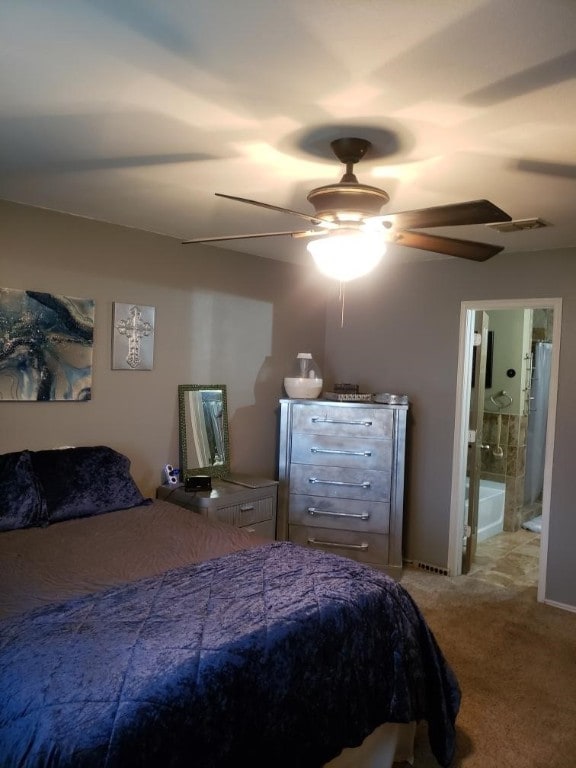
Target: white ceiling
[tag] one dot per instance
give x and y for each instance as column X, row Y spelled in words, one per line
column 137, row 112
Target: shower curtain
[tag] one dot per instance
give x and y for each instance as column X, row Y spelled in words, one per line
column 537, row 419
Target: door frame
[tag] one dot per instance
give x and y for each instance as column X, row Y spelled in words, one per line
column 475, row 425
column 463, row 391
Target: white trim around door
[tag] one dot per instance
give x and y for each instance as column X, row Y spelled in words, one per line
column 468, row 308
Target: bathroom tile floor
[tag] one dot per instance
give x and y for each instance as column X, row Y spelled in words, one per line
column 508, row 559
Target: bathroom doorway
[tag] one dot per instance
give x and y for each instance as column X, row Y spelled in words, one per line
column 515, row 438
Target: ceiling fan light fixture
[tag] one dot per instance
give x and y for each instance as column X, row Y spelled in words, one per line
column 347, row 217
column 347, row 254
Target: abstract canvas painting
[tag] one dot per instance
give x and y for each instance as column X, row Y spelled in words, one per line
column 45, row 346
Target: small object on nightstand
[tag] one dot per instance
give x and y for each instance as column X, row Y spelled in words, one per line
column 170, row 475
column 194, row 483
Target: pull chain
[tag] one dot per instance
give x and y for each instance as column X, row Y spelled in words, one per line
column 341, row 298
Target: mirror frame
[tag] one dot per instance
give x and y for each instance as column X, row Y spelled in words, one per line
column 213, row 470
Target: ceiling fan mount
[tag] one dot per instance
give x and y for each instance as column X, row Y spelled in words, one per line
column 350, row 150
column 348, row 201
column 348, row 204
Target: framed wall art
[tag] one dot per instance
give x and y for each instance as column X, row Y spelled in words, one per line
column 132, row 337
column 45, row 346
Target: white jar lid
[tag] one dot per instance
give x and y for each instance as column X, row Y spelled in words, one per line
column 307, row 355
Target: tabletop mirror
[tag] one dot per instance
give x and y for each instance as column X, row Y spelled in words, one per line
column 203, row 427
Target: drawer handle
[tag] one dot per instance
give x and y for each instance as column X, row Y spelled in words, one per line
column 341, row 453
column 312, row 540
column 323, row 420
column 246, row 507
column 315, row 481
column 356, row 515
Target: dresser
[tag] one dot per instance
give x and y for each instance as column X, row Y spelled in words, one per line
column 341, row 478
column 250, row 505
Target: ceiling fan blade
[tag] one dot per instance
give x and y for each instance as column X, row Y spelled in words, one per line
column 311, row 233
column 464, row 249
column 472, row 212
column 561, row 170
column 220, row 238
column 313, row 219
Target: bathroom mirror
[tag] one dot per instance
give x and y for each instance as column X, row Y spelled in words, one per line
column 203, row 428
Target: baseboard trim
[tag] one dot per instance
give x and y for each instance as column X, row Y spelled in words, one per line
column 562, row 606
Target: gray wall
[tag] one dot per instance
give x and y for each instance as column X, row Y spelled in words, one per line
column 224, row 317
column 401, row 334
column 221, row 317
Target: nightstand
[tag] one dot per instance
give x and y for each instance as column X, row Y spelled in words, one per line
column 243, row 501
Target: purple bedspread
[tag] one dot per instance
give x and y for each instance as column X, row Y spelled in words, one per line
column 274, row 656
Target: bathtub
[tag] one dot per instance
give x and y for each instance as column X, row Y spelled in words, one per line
column 490, row 508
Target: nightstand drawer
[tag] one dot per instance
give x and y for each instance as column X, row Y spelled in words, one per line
column 265, row 529
column 247, row 513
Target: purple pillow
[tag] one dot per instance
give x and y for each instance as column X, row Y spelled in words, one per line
column 85, row 481
column 21, row 504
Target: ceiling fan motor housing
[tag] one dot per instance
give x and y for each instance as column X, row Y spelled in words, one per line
column 347, row 201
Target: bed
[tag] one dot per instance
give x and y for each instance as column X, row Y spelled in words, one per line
column 134, row 632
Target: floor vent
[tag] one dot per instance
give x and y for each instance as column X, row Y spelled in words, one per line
column 432, row 568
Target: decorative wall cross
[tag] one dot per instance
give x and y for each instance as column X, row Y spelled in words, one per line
column 139, row 334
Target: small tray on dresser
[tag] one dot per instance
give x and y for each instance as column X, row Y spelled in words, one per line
column 388, row 399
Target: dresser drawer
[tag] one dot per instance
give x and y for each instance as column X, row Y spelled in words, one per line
column 322, row 419
column 331, row 450
column 343, row 514
column 364, row 547
column 339, row 482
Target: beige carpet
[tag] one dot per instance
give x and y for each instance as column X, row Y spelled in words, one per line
column 515, row 660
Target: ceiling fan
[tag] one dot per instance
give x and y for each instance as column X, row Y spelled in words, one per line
column 348, row 206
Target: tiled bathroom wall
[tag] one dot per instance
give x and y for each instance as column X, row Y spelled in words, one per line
column 510, row 467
